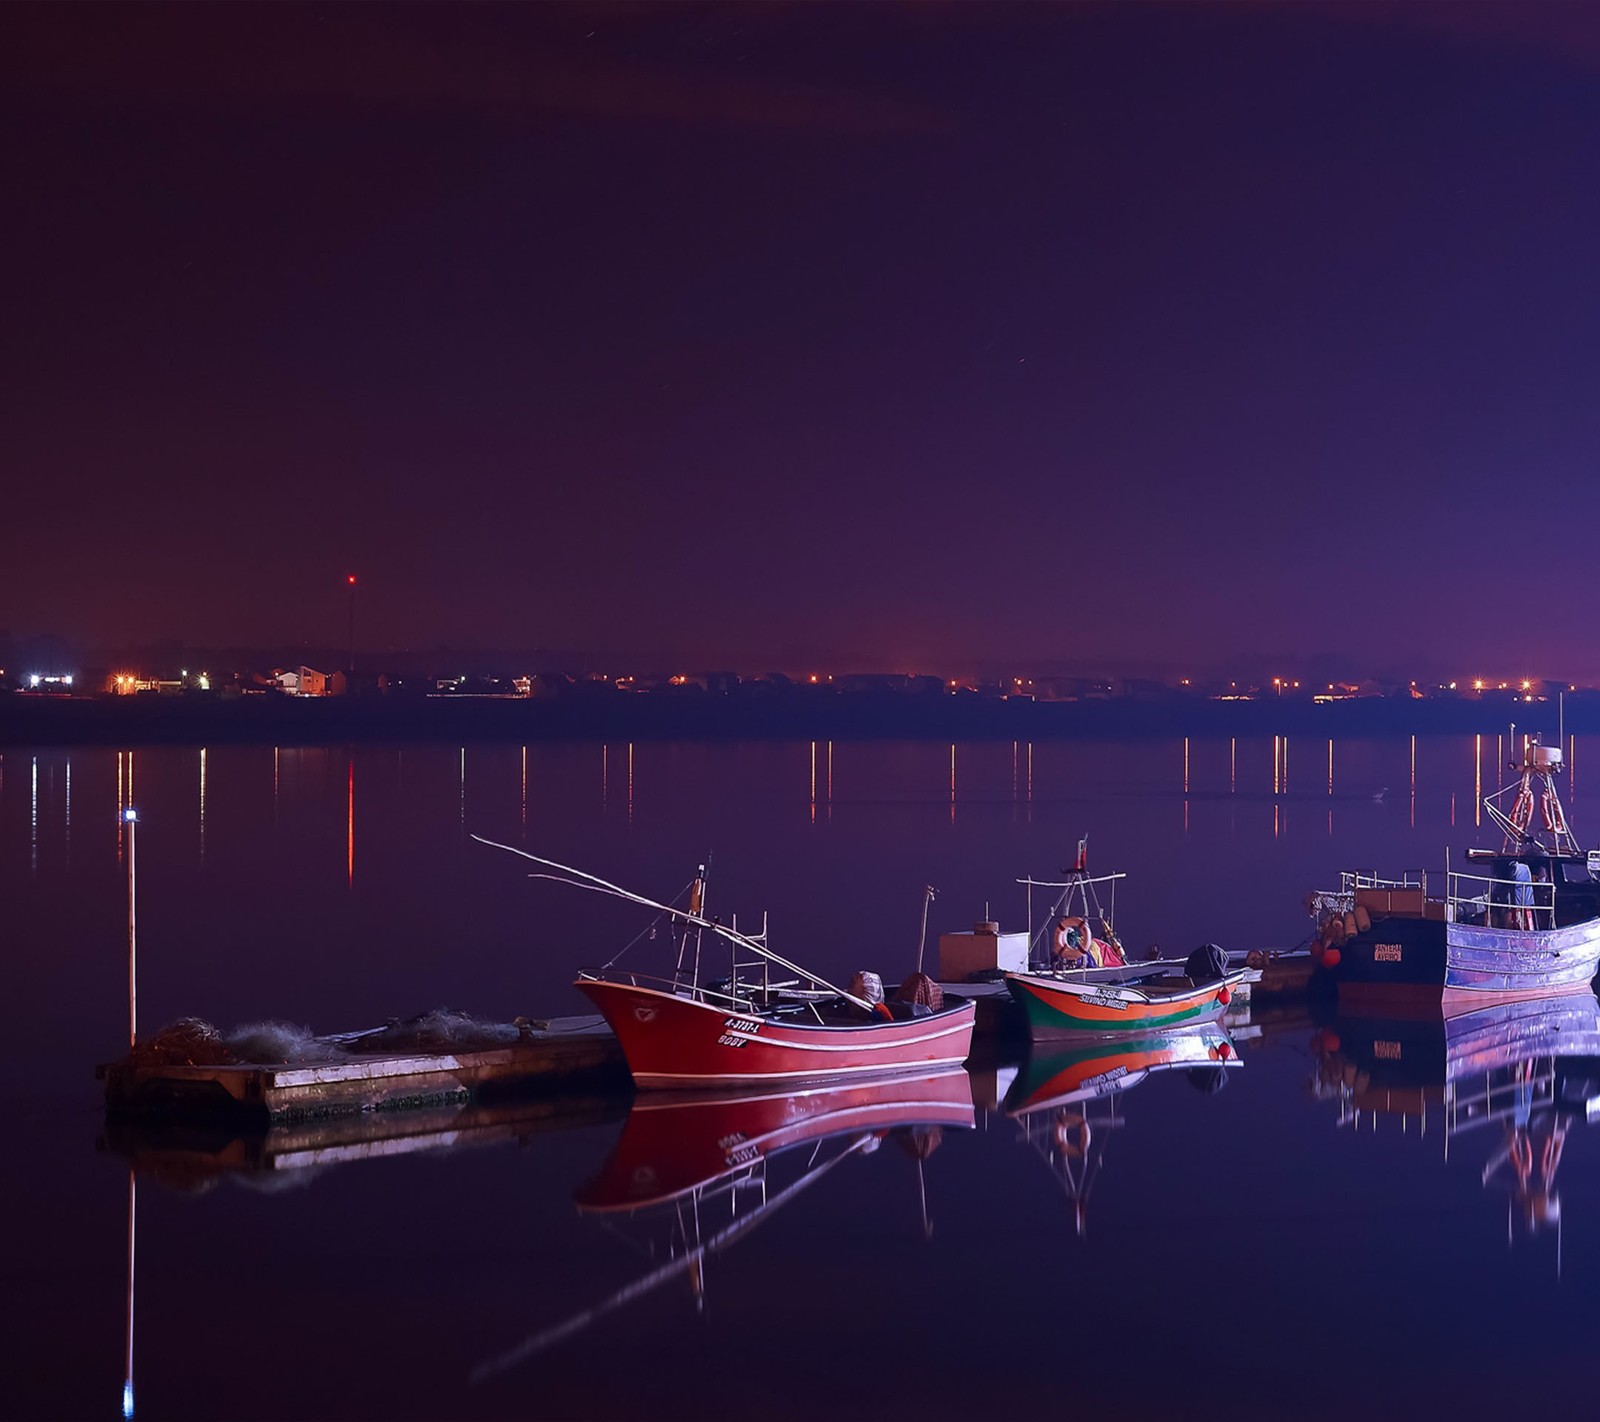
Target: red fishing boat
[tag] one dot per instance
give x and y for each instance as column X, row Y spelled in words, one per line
column 685, row 1032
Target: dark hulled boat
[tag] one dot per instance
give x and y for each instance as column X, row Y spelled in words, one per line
column 1524, row 921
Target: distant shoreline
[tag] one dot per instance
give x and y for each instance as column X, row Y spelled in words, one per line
column 797, row 715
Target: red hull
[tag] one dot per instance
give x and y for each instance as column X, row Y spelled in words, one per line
column 673, row 1041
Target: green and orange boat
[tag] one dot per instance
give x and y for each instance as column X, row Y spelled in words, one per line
column 1060, row 1004
column 1079, row 982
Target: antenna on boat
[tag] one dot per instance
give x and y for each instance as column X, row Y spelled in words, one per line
column 928, row 895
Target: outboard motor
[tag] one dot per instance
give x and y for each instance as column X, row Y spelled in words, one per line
column 1207, row 964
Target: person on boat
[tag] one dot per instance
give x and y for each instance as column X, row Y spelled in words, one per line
column 1521, row 895
column 1073, row 946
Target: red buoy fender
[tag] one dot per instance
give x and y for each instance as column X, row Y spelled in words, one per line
column 1072, row 1136
column 1550, row 809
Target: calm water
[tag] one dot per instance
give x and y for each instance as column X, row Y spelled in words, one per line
column 1277, row 1248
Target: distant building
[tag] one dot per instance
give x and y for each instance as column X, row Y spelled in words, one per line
column 301, row 681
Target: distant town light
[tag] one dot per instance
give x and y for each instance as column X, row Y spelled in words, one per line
column 1526, row 685
column 130, row 814
column 1477, row 685
column 34, row 679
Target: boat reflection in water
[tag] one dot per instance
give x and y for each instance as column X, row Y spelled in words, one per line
column 1517, row 1074
column 704, row 1170
column 1066, row 1101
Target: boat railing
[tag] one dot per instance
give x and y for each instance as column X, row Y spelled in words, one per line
column 1493, row 902
column 736, row 993
column 1352, row 879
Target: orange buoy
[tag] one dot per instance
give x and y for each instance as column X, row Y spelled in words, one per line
column 1224, row 1050
column 1331, row 958
column 1330, row 1040
column 1225, row 997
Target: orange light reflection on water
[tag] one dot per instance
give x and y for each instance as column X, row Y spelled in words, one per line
column 350, row 822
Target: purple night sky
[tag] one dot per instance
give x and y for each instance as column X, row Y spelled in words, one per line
column 903, row 334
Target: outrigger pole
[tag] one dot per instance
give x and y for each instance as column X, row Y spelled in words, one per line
column 604, row 886
column 690, row 1259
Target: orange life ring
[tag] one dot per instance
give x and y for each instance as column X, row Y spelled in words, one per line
column 1072, row 1136
column 1060, row 951
column 1522, row 810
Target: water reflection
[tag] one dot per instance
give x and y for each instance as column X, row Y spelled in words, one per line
column 1293, row 1198
column 698, row 1173
column 1508, row 1080
column 1066, row 1101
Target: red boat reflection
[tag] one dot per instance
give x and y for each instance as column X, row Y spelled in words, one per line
column 673, row 1144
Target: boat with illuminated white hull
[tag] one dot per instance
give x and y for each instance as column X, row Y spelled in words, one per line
column 1528, row 927
column 684, row 1032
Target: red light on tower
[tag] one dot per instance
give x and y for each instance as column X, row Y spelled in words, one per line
column 350, row 582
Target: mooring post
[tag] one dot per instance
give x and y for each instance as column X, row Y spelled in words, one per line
column 131, row 818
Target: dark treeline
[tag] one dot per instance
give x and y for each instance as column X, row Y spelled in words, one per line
column 794, row 713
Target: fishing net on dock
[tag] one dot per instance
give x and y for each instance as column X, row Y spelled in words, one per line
column 444, row 1029
column 280, row 1044
column 190, row 1041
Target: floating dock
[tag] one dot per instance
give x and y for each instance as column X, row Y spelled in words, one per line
column 348, row 1075
column 561, row 1052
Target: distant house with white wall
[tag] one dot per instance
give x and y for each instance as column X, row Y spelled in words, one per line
column 301, row 681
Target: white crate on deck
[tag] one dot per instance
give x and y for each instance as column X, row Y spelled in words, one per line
column 983, row 950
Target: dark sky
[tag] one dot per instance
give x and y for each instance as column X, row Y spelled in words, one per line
column 907, row 335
